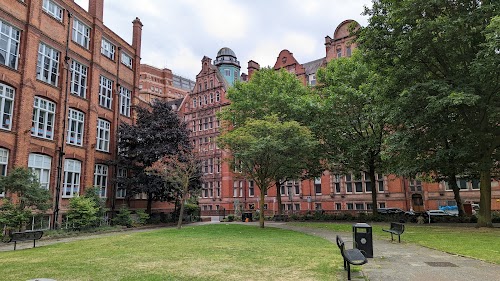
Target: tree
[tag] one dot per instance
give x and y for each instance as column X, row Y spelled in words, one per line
column 437, row 51
column 181, row 170
column 157, row 133
column 100, row 203
column 353, row 120
column 278, row 93
column 31, row 197
column 269, row 149
column 82, row 213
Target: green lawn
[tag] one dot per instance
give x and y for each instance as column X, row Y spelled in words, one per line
column 478, row 243
column 209, row 252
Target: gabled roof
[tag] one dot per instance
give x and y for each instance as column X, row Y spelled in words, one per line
column 313, row 66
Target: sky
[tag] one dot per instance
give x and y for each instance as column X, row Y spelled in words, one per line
column 177, row 34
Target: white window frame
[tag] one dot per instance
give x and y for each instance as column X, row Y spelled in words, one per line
column 81, row 33
column 108, row 49
column 125, row 97
column 101, row 179
column 217, row 96
column 121, row 192
column 42, row 124
column 72, row 173
column 11, row 51
column 40, row 165
column 103, row 135
column 4, row 163
column 76, row 125
column 6, row 106
column 79, row 79
column 47, row 67
column 105, row 92
column 53, row 9
column 126, row 59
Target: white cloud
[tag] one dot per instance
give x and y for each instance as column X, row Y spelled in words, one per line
column 177, row 34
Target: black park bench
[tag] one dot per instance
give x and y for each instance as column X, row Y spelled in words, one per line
column 350, row 256
column 396, row 229
column 25, row 236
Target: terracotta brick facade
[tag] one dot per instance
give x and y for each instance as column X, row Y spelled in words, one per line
column 58, row 72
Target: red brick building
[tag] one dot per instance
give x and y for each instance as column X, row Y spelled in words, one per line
column 155, row 83
column 226, row 189
column 66, row 82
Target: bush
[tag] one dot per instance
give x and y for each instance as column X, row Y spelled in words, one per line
column 230, row 217
column 83, row 213
column 123, row 217
column 142, row 217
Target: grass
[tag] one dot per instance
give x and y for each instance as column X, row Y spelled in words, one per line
column 209, row 252
column 478, row 243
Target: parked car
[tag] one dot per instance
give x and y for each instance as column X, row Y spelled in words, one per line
column 390, row 211
column 440, row 213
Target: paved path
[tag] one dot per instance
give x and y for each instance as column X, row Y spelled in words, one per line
column 392, row 261
column 395, row 261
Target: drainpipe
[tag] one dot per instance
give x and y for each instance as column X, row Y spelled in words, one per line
column 55, row 225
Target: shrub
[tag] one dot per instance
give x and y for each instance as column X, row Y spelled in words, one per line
column 142, row 217
column 123, row 217
column 230, row 217
column 82, row 213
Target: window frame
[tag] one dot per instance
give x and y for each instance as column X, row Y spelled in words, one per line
column 125, row 101
column 53, row 9
column 76, row 127
column 80, row 33
column 7, row 95
column 103, row 135
column 72, row 169
column 43, row 116
column 13, row 35
column 108, row 49
column 126, row 59
column 48, row 57
column 79, row 74
column 105, row 92
column 41, row 168
column 101, row 179
column 4, row 164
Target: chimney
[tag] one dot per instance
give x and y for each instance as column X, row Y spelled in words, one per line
column 252, row 66
column 96, row 8
column 137, row 36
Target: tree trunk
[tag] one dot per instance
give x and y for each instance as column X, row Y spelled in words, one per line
column 181, row 212
column 484, row 214
column 150, row 204
column 374, row 190
column 452, row 182
column 278, row 197
column 261, row 208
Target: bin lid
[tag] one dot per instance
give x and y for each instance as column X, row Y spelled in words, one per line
column 362, row 225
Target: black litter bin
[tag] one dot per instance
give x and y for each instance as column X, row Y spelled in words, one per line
column 362, row 238
column 244, row 217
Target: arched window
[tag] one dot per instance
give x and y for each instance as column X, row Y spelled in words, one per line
column 40, row 165
column 217, row 96
column 72, row 172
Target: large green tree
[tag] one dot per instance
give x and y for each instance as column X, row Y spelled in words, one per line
column 269, row 149
column 440, row 53
column 270, row 92
column 158, row 132
column 29, row 197
column 353, row 118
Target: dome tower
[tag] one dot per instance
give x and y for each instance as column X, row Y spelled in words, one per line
column 228, row 65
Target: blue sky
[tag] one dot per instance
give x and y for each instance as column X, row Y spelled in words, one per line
column 178, row 33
